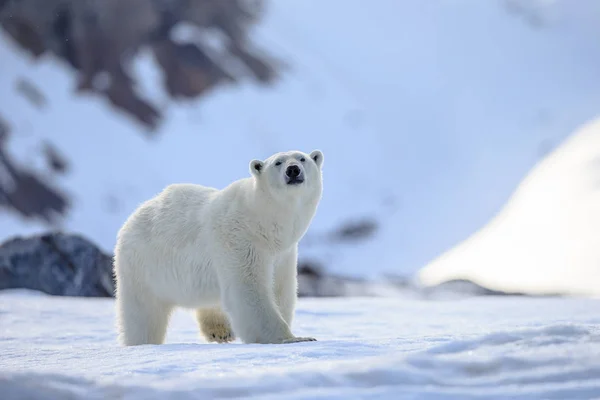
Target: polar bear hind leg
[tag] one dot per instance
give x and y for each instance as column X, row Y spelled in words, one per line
column 214, row 325
column 140, row 319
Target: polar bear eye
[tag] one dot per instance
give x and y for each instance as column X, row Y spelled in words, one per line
column 278, row 163
column 302, row 159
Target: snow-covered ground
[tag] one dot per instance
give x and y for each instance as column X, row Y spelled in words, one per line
column 437, row 110
column 383, row 348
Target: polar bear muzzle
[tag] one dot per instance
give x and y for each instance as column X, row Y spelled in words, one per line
column 294, row 175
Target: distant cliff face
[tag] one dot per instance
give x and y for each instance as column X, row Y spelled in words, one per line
column 98, row 39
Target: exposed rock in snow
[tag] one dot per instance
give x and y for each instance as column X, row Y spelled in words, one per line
column 57, row 264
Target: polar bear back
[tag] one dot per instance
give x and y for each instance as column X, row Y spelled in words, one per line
column 175, row 216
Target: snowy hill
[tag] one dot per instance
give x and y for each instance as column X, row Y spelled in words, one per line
column 367, row 348
column 546, row 240
column 429, row 114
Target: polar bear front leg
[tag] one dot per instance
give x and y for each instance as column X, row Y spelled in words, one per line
column 248, row 298
column 214, row 325
column 286, row 284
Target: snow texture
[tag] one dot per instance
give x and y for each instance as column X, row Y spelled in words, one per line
column 449, row 103
column 546, row 240
column 377, row 348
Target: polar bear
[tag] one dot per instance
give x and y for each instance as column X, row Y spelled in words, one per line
column 230, row 254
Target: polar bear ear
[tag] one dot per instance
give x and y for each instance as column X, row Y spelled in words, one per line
column 256, row 167
column 317, row 157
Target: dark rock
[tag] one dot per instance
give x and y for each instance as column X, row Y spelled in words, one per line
column 31, row 93
column 27, row 194
column 310, row 269
column 357, row 230
column 55, row 160
column 3, row 130
column 465, row 287
column 310, row 280
column 57, row 264
column 314, row 282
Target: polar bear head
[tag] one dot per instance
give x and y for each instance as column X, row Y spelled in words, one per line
column 291, row 172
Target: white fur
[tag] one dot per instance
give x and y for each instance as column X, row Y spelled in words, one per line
column 230, row 254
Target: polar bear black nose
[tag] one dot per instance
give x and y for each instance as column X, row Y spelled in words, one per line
column 292, row 171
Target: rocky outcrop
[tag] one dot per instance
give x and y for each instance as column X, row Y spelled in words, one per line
column 57, row 264
column 99, row 39
column 314, row 282
column 25, row 193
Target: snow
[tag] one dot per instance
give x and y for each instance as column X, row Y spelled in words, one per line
column 438, row 109
column 546, row 239
column 380, row 348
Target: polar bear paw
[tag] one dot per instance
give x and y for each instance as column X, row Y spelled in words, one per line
column 219, row 335
column 214, row 326
column 299, row 339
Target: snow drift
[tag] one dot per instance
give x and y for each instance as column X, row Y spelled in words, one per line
column 546, row 240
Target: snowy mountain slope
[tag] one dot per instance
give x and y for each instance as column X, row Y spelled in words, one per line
column 546, row 240
column 429, row 114
column 492, row 347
